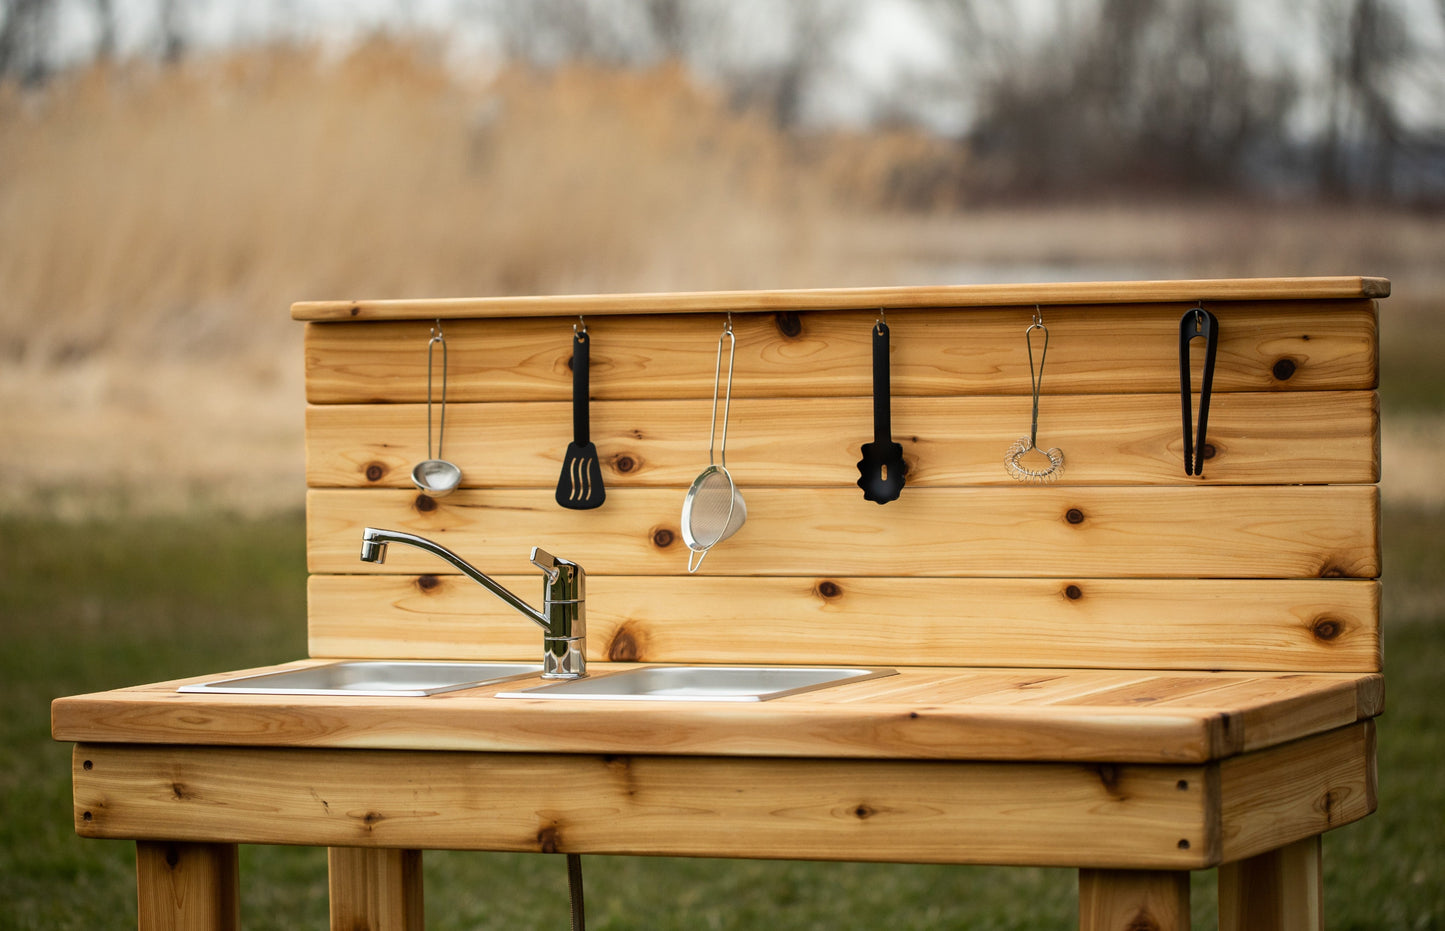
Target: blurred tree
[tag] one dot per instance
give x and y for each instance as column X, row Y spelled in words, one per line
column 26, row 30
column 1366, row 44
column 1142, row 95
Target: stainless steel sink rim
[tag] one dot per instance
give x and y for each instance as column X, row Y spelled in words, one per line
column 370, row 677
column 702, row 683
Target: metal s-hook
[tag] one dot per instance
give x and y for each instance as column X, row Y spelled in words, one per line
column 1197, row 323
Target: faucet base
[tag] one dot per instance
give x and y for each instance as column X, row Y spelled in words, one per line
column 563, row 658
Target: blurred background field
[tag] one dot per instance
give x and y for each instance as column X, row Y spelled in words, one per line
column 173, row 175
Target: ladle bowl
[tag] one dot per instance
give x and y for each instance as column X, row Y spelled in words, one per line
column 436, row 477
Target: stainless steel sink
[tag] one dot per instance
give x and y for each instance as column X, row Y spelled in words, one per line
column 701, row 683
column 370, row 677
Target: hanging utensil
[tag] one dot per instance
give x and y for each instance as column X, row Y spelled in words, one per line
column 881, row 470
column 579, row 487
column 1196, row 323
column 1034, row 470
column 435, row 476
column 713, row 509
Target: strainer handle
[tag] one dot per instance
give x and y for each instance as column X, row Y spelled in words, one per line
column 722, row 451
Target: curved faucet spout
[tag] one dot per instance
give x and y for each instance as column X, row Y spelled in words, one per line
column 563, row 615
column 373, row 549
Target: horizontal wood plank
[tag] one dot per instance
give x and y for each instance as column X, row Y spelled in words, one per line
column 1154, row 532
column 924, row 812
column 1314, row 437
column 1217, row 289
column 1309, row 625
column 1092, row 350
column 1281, row 795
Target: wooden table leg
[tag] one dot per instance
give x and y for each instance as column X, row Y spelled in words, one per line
column 376, row 889
column 1133, row 900
column 187, row 886
column 1277, row 891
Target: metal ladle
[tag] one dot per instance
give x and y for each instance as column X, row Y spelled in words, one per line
column 435, row 476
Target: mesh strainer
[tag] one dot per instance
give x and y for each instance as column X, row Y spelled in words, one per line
column 713, row 509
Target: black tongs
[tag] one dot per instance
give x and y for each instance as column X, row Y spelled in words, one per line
column 1197, row 322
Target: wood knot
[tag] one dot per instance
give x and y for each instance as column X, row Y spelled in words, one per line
column 1182, row 785
column 428, row 583
column 173, row 856
column 863, row 812
column 1109, row 778
column 375, row 471
column 1074, row 516
column 1284, row 369
column 828, row 589
column 1331, row 571
column 1073, row 592
column 624, row 463
column 1327, row 628
column 1209, row 451
column 1142, row 921
column 425, row 503
column 355, row 310
column 789, row 324
column 624, row 646
column 547, row 839
column 662, row 538
column 373, row 818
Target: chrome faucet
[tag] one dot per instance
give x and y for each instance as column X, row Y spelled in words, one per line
column 564, row 598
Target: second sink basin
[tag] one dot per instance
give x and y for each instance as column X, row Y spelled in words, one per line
column 701, row 683
column 370, row 677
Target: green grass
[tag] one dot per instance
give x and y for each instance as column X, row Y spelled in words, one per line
column 90, row 607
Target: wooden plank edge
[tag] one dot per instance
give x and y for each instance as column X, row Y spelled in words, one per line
column 1043, row 814
column 890, row 298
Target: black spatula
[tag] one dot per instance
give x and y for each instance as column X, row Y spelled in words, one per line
column 580, row 485
column 881, row 468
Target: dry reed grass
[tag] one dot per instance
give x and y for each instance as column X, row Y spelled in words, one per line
column 156, row 223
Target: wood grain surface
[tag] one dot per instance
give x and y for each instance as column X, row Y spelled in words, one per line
column 1213, row 289
column 1305, row 625
column 1058, row 532
column 1297, row 437
column 1092, row 350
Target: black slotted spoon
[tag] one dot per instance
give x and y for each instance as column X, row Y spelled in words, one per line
column 882, row 467
column 579, row 487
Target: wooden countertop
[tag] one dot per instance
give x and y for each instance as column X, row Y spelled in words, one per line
column 923, row 713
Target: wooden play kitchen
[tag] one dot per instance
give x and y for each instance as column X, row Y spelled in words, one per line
column 1118, row 609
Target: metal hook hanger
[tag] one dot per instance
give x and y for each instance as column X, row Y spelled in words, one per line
column 1197, row 323
column 1036, row 376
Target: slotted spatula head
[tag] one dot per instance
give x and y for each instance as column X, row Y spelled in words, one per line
column 580, row 485
column 881, row 471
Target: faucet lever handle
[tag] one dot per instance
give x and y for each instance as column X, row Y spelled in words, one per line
column 546, row 562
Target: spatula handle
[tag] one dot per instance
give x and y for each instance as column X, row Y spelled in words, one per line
column 580, row 388
column 882, row 397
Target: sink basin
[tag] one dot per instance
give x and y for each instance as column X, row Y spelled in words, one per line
column 701, row 683
column 370, row 677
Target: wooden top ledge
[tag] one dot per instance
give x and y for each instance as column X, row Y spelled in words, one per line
column 891, row 298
